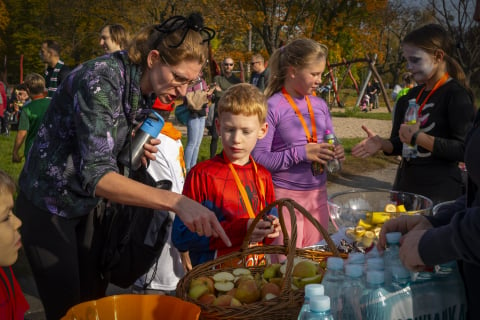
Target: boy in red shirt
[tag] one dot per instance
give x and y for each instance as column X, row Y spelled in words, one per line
column 231, row 184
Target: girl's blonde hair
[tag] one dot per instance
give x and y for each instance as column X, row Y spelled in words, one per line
column 244, row 99
column 177, row 39
column 298, row 53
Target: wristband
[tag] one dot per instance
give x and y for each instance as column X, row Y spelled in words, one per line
column 413, row 140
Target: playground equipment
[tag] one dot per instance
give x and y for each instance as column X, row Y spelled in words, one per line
column 333, row 85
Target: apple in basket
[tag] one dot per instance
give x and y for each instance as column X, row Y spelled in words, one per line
column 205, row 281
column 226, row 301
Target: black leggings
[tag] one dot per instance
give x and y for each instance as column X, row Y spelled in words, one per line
column 64, row 256
column 214, row 134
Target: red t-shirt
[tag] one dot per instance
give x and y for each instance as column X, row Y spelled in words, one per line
column 13, row 304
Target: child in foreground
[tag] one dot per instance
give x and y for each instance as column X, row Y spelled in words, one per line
column 13, row 304
column 231, row 184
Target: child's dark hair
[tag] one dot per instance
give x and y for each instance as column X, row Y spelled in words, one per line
column 433, row 37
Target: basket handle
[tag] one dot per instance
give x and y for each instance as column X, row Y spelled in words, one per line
column 290, row 204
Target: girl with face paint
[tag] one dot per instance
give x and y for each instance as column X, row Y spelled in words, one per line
column 445, row 112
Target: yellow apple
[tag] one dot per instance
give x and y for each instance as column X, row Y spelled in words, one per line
column 196, row 291
column 248, row 291
column 203, row 280
column 305, row 269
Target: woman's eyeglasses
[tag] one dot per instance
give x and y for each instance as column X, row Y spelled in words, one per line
column 180, row 80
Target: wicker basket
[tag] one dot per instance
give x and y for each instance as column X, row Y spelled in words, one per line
column 287, row 305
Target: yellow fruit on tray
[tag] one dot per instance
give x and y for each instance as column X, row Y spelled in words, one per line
column 401, row 208
column 367, row 239
column 363, row 223
column 390, row 207
column 360, row 230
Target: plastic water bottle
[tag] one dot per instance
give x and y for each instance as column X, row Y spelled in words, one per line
column 131, row 154
column 372, row 253
column 391, row 256
column 401, row 299
column 351, row 292
column 408, row 150
column 319, row 309
column 373, row 302
column 375, row 264
column 333, row 165
column 313, row 289
column 332, row 281
column 356, row 258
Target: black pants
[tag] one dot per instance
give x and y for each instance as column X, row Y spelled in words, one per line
column 214, row 134
column 63, row 254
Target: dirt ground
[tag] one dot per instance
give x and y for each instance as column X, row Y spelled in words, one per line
column 351, row 127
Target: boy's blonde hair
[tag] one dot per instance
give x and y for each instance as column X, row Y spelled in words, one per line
column 244, row 99
column 35, row 84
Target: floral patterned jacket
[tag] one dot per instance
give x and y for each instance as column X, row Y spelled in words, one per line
column 83, row 132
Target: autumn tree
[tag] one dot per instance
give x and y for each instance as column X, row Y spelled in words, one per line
column 457, row 17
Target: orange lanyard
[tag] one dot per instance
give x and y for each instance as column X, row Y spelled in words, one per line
column 310, row 138
column 439, row 83
column 241, row 187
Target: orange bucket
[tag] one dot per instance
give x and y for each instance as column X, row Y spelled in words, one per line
column 134, row 306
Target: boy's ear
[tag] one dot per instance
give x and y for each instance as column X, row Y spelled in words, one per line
column 263, row 130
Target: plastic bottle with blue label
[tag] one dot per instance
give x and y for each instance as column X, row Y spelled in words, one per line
column 351, row 291
column 314, row 289
column 131, row 154
column 319, row 309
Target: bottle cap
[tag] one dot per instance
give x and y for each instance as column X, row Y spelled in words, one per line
column 153, row 124
column 314, row 289
column 319, row 303
column 335, row 263
column 393, row 237
column 375, row 277
column 354, row 270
